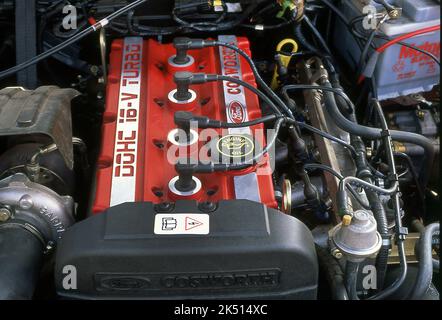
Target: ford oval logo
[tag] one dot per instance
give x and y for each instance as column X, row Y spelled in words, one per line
column 236, row 112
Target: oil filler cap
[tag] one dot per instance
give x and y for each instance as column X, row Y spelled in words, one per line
column 234, row 148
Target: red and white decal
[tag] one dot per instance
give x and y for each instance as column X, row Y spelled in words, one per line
column 234, row 97
column 124, row 170
column 246, row 186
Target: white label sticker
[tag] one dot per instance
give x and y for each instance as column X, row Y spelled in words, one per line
column 124, row 172
column 246, row 186
column 181, row 223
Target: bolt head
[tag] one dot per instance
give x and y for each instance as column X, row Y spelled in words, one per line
column 5, row 214
column 420, row 114
column 26, row 202
column 394, row 14
column 337, row 254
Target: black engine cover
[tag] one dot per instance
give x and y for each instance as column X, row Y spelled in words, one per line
column 250, row 251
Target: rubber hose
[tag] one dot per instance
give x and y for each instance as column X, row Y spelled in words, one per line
column 425, row 257
column 376, row 133
column 304, row 42
column 382, row 225
column 333, row 272
column 351, row 277
column 21, row 256
column 376, row 206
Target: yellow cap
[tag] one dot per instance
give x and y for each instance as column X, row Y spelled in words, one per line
column 346, row 220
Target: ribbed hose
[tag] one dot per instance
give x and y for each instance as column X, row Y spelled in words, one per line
column 425, row 273
column 21, row 256
column 382, row 225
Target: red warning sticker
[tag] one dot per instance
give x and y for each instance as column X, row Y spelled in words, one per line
column 192, row 223
column 181, row 223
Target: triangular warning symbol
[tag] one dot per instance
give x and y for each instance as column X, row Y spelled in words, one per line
column 192, row 223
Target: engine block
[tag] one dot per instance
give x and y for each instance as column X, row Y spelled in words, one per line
column 134, row 163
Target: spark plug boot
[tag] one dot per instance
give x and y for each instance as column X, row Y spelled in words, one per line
column 184, row 44
column 184, row 119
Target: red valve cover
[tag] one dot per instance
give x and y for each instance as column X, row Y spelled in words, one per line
column 133, row 163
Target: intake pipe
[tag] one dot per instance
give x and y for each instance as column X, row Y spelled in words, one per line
column 26, row 232
column 21, row 256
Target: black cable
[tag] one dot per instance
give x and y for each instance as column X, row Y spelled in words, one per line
column 222, row 167
column 187, row 24
column 100, row 24
column 256, row 91
column 364, row 54
column 304, row 42
column 325, row 135
column 228, row 125
column 415, row 178
column 258, row 78
column 228, row 24
column 427, row 53
column 317, row 166
column 145, row 30
column 339, row 92
column 258, row 156
column 400, row 233
column 357, row 34
column 279, row 121
column 263, row 27
column 372, row 133
column 273, row 106
column 317, row 35
column 385, row 4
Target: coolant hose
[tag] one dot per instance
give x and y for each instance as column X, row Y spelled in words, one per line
column 376, row 133
column 21, row 256
column 425, row 257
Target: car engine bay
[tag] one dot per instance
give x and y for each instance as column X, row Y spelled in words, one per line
column 219, row 149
